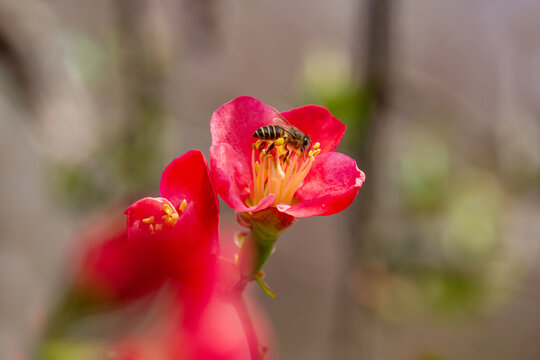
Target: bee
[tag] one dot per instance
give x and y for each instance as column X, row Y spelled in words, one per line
column 293, row 137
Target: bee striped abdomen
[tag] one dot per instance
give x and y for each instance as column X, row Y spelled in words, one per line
column 269, row 132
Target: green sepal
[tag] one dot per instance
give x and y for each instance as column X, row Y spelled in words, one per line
column 266, row 227
column 264, row 286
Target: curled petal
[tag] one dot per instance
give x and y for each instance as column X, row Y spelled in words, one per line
column 317, row 122
column 331, row 186
column 183, row 224
column 149, row 217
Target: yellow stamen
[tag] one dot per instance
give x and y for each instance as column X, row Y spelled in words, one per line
column 167, row 209
column 158, row 227
column 170, row 218
column 316, row 146
column 148, row 220
column 183, row 205
column 272, row 173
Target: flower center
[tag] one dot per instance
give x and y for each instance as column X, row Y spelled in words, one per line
column 169, row 218
column 280, row 171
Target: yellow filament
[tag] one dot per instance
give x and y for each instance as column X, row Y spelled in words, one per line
column 272, row 173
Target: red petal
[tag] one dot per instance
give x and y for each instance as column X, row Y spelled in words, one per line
column 232, row 127
column 144, row 215
column 111, row 268
column 235, row 122
column 193, row 248
column 317, row 122
column 331, row 186
column 232, row 178
column 187, row 247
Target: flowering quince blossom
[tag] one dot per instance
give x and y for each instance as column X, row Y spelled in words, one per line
column 173, row 236
column 182, row 224
column 251, row 179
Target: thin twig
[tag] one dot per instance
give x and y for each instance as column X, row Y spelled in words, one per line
column 255, row 349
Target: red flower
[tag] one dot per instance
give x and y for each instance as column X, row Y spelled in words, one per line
column 182, row 224
column 322, row 182
column 172, row 236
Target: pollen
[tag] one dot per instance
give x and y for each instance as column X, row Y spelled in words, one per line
column 171, row 217
column 148, row 220
column 280, row 172
column 167, row 209
column 183, row 205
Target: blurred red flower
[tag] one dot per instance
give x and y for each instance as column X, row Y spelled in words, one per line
column 217, row 334
column 182, row 225
column 175, row 236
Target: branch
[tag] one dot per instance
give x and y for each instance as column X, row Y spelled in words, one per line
column 256, row 350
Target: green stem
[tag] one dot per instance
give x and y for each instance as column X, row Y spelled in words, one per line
column 264, row 286
column 255, row 251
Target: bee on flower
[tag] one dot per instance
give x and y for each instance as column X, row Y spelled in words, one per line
column 303, row 176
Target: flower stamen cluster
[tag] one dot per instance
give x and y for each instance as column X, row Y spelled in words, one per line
column 278, row 172
column 166, row 215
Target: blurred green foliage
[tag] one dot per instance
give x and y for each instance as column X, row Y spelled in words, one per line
column 72, row 349
column 327, row 80
column 128, row 160
column 124, row 166
column 432, row 242
column 423, row 173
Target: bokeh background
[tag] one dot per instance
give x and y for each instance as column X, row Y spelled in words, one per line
column 436, row 259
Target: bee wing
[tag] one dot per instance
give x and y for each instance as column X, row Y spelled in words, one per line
column 282, row 119
column 284, row 123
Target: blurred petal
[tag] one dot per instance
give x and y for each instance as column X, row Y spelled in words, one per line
column 111, row 269
column 183, row 224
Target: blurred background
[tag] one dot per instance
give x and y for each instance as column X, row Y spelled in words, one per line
column 436, row 259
